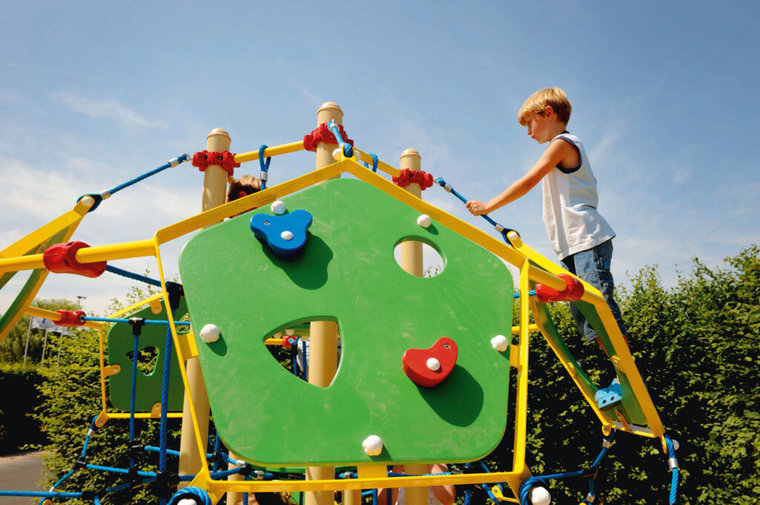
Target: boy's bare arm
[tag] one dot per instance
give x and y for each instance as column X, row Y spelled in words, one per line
column 555, row 153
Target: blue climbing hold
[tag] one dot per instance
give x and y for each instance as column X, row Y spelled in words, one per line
column 285, row 235
column 609, row 396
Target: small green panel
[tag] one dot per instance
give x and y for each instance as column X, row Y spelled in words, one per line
column 348, row 273
column 148, row 385
column 629, row 407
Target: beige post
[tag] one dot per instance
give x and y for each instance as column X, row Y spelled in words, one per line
column 323, row 335
column 190, row 462
column 411, row 262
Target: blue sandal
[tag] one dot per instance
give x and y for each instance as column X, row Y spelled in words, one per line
column 609, row 396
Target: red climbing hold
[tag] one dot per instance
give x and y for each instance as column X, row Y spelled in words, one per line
column 430, row 367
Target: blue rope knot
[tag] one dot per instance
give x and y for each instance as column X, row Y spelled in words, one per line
column 264, row 166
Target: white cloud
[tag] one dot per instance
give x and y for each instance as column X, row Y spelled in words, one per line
column 107, row 109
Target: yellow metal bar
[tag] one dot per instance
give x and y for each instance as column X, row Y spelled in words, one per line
column 521, row 407
column 40, row 235
column 381, row 165
column 200, row 444
column 244, row 204
column 533, row 328
column 142, row 303
column 293, row 147
column 219, row 487
column 85, row 255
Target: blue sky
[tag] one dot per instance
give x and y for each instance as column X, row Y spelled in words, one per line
column 664, row 97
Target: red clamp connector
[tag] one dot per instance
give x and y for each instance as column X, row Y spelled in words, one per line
column 224, row 159
column 406, row 177
column 61, row 259
column 572, row 293
column 71, row 318
column 323, row 134
column 288, row 341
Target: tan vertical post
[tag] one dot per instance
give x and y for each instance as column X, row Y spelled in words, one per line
column 323, row 335
column 411, row 262
column 190, row 461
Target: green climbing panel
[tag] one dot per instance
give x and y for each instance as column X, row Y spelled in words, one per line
column 152, row 343
column 347, row 273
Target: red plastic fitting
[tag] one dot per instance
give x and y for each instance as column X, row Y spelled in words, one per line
column 572, row 293
column 323, row 134
column 224, row 159
column 61, row 259
column 71, row 318
column 407, row 177
column 288, row 341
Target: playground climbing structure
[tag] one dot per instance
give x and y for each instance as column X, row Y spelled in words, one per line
column 309, row 260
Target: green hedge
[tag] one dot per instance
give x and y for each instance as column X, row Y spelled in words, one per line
column 19, row 430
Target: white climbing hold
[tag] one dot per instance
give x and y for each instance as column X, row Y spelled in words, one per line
column 337, row 153
column 424, row 221
column 287, row 235
column 676, row 445
column 373, row 445
column 290, row 331
column 278, row 207
column 210, row 333
column 187, row 501
column 433, row 364
column 539, row 495
column 500, row 343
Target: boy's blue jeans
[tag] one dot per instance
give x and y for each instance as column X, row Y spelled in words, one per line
column 593, row 266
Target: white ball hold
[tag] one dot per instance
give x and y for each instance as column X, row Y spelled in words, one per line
column 278, row 207
column 290, row 331
column 433, row 364
column 424, row 221
column 337, row 154
column 287, row 235
column 373, row 445
column 500, row 343
column 187, row 501
column 210, row 333
column 87, row 201
column 540, row 496
column 676, row 445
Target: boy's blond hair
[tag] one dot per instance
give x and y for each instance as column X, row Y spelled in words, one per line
column 537, row 102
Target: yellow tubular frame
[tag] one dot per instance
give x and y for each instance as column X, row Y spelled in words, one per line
column 533, row 268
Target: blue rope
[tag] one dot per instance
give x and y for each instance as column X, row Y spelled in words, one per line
column 164, row 427
column 499, row 228
column 191, row 491
column 348, row 149
column 673, row 469
column 136, row 331
column 516, row 295
column 264, row 167
column 106, row 194
column 133, row 276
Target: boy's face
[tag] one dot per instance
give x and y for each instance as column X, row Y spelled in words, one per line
column 538, row 125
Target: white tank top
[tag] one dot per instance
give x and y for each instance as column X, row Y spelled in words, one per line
column 570, row 202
